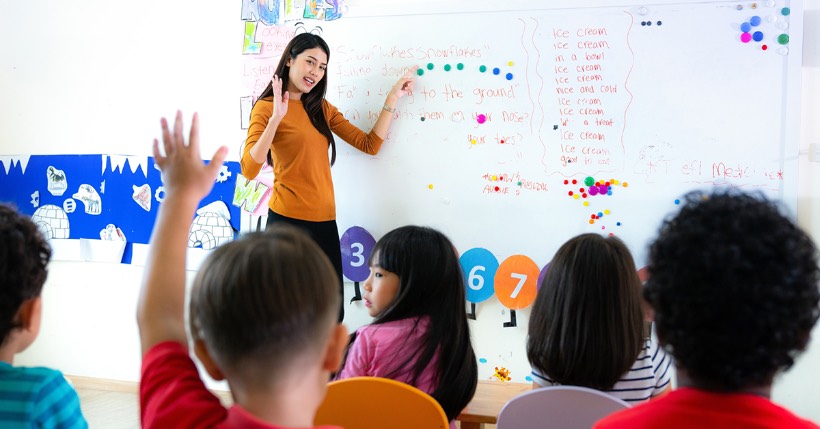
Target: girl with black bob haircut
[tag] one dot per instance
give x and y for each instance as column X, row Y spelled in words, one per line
column 292, row 127
column 587, row 324
column 420, row 334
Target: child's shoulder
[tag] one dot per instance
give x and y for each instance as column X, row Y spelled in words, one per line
column 32, row 379
column 29, row 374
column 395, row 327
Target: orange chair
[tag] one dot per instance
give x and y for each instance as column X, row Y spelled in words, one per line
column 378, row 403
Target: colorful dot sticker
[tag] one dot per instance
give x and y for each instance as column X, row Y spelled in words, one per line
column 429, row 66
column 589, row 181
column 430, row 186
column 541, row 276
column 496, row 71
column 745, row 37
column 745, row 27
column 757, row 36
column 783, row 39
column 420, row 71
column 755, row 21
column 482, row 69
column 785, row 11
column 509, row 76
column 510, row 63
column 447, row 67
column 460, row 66
column 481, row 118
column 483, row 360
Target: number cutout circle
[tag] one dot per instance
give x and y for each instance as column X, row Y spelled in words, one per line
column 357, row 245
column 515, row 282
column 478, row 266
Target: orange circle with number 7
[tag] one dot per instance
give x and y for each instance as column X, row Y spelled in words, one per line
column 515, row 282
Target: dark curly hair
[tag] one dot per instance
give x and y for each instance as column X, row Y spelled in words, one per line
column 734, row 286
column 24, row 254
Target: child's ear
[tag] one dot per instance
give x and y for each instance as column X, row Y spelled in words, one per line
column 30, row 313
column 204, row 356
column 335, row 348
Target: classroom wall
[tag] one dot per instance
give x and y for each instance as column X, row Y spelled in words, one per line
column 89, row 326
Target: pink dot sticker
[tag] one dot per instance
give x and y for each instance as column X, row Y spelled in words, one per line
column 481, row 118
column 745, row 37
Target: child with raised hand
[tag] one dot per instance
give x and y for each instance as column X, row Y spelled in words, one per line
column 734, row 287
column 262, row 313
column 29, row 396
column 587, row 324
column 420, row 334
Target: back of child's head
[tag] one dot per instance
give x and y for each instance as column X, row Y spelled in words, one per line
column 734, row 288
column 431, row 285
column 586, row 326
column 430, row 281
column 264, row 302
column 24, row 254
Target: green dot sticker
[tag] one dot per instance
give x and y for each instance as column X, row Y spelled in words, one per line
column 482, row 69
column 785, row 11
column 460, row 66
column 783, row 39
column 447, row 67
column 429, row 66
column 420, row 72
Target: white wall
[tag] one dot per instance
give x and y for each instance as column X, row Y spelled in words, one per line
column 89, row 325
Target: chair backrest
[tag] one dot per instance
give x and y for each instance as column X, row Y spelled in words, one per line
column 373, row 402
column 560, row 407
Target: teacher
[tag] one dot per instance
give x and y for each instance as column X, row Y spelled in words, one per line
column 292, row 127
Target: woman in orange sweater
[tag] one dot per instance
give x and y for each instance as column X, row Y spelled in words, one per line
column 292, row 126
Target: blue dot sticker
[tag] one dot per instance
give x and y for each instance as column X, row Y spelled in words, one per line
column 496, row 71
column 528, row 378
column 755, row 21
column 745, row 27
column 483, row 360
column 757, row 36
column 785, row 11
column 509, row 76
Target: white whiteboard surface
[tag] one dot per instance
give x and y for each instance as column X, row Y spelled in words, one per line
column 678, row 102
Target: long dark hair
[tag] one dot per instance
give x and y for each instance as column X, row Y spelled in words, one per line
column 313, row 99
column 586, row 327
column 431, row 284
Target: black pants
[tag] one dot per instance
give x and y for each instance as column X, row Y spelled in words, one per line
column 326, row 235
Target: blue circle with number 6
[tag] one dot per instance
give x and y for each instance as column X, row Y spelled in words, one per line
column 479, row 266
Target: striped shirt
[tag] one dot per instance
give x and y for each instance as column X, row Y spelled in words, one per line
column 648, row 377
column 37, row 398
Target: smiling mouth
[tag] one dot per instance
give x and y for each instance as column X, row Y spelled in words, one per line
column 310, row 81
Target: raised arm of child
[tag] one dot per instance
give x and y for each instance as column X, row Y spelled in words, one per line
column 160, row 310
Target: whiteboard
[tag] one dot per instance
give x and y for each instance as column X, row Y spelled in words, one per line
column 658, row 100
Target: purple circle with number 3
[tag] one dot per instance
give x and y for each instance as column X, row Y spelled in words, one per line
column 541, row 276
column 357, row 245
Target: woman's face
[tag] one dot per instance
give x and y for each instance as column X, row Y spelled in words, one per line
column 306, row 70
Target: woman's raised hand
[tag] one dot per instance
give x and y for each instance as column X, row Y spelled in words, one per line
column 404, row 85
column 280, row 102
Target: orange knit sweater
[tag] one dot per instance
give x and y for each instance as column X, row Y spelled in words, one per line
column 302, row 184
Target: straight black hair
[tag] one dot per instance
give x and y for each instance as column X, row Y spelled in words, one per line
column 311, row 100
column 587, row 323
column 431, row 285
